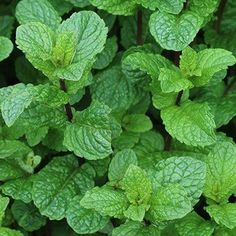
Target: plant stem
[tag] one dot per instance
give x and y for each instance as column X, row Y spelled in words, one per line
column 67, row 106
column 178, row 99
column 139, row 27
column 220, row 14
column 229, row 86
column 168, row 141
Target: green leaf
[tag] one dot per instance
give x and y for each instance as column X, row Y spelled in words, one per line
column 6, row 48
column 186, row 171
column 223, row 214
column 120, row 163
column 4, row 201
column 135, row 229
column 14, row 105
column 82, row 220
column 116, row 7
column 191, row 123
column 169, row 203
column 194, row 225
column 58, row 183
column 35, row 136
column 136, row 212
column 112, row 88
column 90, row 136
column 27, row 216
column 19, row 189
column 137, row 186
column 205, row 64
column 6, row 26
column 220, row 178
column 174, row 32
column 35, row 40
column 90, row 31
column 37, row 11
column 107, row 55
column 9, row 232
column 106, row 200
column 137, row 123
column 173, row 81
column 170, row 6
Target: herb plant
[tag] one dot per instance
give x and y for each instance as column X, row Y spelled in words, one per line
column 117, row 117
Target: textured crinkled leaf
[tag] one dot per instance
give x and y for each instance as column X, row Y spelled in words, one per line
column 186, row 171
column 106, row 200
column 82, row 220
column 220, row 178
column 191, row 123
column 136, row 212
column 223, row 214
column 9, row 232
column 39, row 115
column 4, row 201
column 169, row 203
column 203, row 8
column 139, row 64
column 36, row 40
column 210, row 61
column 120, row 163
column 79, row 3
column 106, row 56
column 137, row 186
column 90, row 31
column 90, row 136
column 27, row 216
column 6, row 47
column 116, row 7
column 173, row 81
column 35, row 136
column 61, row 6
column 6, row 26
column 12, row 147
column 19, row 189
column 58, row 183
column 113, row 89
column 137, row 123
column 174, row 32
column 132, row 228
column 14, row 105
column 37, row 11
column 194, row 225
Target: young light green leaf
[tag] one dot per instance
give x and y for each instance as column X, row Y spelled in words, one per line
column 174, row 32
column 120, row 163
column 82, row 220
column 58, row 183
column 173, row 81
column 137, row 186
column 169, row 203
column 137, row 123
column 224, row 214
column 220, row 178
column 136, row 212
column 6, row 47
column 193, row 225
column 191, row 123
column 37, row 11
column 106, row 201
column 27, row 216
column 186, row 171
column 90, row 136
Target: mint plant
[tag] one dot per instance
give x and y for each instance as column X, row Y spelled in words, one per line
column 117, row 118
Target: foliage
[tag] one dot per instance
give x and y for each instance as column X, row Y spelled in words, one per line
column 117, row 117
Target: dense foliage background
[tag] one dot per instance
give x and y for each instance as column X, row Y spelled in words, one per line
column 117, row 117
